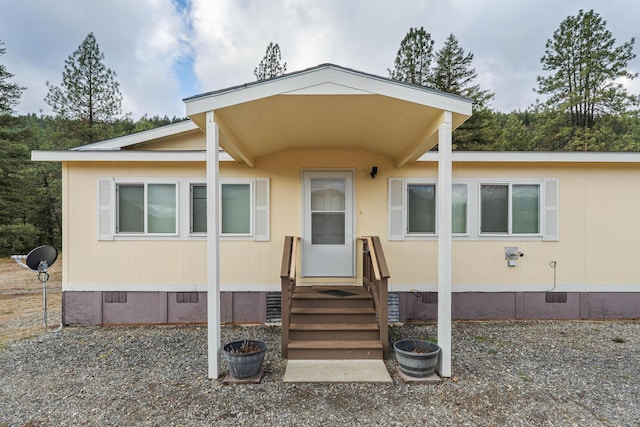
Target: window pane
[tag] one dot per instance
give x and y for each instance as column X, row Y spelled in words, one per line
column 236, row 209
column 199, row 209
column 161, row 208
column 494, row 205
column 421, row 208
column 327, row 228
column 328, row 194
column 130, row 209
column 459, row 208
column 526, row 208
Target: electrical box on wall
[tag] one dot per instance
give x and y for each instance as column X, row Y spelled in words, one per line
column 511, row 254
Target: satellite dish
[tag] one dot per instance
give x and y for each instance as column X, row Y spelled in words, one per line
column 41, row 258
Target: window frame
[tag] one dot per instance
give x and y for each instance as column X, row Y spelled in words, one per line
column 107, row 209
column 509, row 184
column 467, row 223
column 405, row 193
column 406, row 235
column 548, row 209
column 252, row 203
column 145, row 184
column 254, row 207
column 192, row 211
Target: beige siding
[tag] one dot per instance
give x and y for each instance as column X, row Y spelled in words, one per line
column 193, row 140
column 599, row 228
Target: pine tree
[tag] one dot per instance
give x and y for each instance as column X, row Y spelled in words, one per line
column 10, row 93
column 90, row 94
column 271, row 64
column 413, row 60
column 453, row 73
column 585, row 70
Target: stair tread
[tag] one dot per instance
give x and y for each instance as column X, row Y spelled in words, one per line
column 334, row 344
column 333, row 326
column 320, row 295
column 330, row 310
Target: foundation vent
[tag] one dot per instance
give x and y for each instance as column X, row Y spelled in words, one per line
column 115, row 297
column 394, row 307
column 186, row 297
column 556, row 297
column 274, row 307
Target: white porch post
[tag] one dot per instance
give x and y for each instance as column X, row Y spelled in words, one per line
column 444, row 243
column 213, row 246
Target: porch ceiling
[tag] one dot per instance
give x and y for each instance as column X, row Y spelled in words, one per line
column 334, row 108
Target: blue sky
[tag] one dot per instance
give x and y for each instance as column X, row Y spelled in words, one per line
column 164, row 50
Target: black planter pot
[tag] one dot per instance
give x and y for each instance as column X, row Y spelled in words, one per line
column 417, row 358
column 244, row 365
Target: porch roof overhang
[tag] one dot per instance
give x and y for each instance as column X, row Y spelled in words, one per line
column 328, row 107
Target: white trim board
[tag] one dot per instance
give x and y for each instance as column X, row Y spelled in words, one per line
column 275, row 287
column 526, row 287
column 123, row 156
column 535, row 157
column 167, row 287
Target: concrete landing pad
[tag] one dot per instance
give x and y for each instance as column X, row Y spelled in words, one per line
column 336, row 371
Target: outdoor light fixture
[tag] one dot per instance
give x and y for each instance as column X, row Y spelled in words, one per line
column 374, row 172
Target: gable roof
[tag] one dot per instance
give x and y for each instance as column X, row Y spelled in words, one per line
column 328, row 106
column 140, row 137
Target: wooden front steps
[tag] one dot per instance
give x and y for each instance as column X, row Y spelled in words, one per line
column 333, row 322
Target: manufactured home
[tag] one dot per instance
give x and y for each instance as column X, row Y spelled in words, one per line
column 328, row 186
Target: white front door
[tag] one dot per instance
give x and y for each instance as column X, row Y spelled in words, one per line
column 327, row 239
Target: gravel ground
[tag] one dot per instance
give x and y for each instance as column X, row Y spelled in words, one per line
column 505, row 374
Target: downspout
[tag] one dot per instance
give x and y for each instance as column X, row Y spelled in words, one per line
column 213, row 246
column 445, row 177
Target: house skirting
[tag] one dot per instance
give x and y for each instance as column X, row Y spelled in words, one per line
column 104, row 308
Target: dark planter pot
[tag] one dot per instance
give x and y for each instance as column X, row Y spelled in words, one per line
column 244, row 365
column 417, row 358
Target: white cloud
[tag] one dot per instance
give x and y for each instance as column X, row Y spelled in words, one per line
column 151, row 44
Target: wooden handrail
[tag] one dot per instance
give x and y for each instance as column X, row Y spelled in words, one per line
column 288, row 285
column 292, row 259
column 375, row 275
column 286, row 257
column 374, row 258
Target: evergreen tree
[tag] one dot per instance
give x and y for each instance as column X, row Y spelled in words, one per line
column 90, row 94
column 453, row 73
column 271, row 64
column 413, row 60
column 514, row 135
column 585, row 68
column 10, row 93
column 18, row 234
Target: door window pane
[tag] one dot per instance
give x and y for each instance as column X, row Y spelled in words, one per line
column 236, row 209
column 328, row 211
column 494, row 205
column 199, row 209
column 459, row 208
column 161, row 208
column 327, row 228
column 525, row 206
column 131, row 209
column 327, row 194
column 421, row 208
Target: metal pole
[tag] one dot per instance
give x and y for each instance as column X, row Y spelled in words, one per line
column 43, row 276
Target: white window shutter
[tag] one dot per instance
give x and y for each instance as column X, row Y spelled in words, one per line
column 105, row 209
column 396, row 231
column 261, row 211
column 551, row 210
